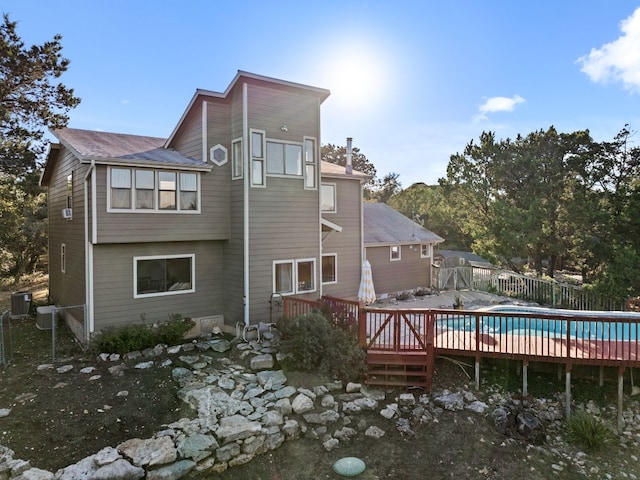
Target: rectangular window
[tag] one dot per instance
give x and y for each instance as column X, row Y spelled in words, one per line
column 120, row 188
column 237, row 159
column 257, row 158
column 145, row 188
column 283, row 277
column 394, row 252
column 328, row 197
column 155, row 276
column 167, row 189
column 70, row 190
column 294, row 276
column 309, row 163
column 284, row 159
column 63, row 258
column 329, row 270
column 425, row 250
column 188, row 191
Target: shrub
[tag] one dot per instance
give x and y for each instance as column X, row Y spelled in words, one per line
column 124, row 339
column 129, row 338
column 173, row 331
column 422, row 292
column 403, row 296
column 311, row 344
column 587, row 430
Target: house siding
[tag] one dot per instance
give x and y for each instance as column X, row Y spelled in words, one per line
column 116, row 306
column 408, row 273
column 66, row 288
column 274, row 211
column 211, row 224
column 346, row 244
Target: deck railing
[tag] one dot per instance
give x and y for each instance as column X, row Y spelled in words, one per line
column 596, row 340
column 344, row 313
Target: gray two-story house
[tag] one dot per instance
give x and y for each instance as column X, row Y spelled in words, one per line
column 233, row 207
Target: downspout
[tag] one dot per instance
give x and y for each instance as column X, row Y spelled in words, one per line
column 319, row 192
column 245, row 202
column 89, row 203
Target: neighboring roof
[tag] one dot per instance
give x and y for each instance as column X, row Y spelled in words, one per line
column 328, row 169
column 321, row 93
column 470, row 257
column 385, row 226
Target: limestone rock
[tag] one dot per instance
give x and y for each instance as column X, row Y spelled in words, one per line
column 150, row 452
column 302, row 404
column 262, row 362
column 120, row 469
column 172, row 472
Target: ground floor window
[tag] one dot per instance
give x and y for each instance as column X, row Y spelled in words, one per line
column 394, row 253
column 163, row 275
column 425, row 250
column 294, row 276
column 329, row 268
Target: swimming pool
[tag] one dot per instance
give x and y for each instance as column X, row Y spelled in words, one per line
column 539, row 321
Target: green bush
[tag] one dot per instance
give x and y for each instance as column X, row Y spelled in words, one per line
column 129, row 338
column 311, row 344
column 588, row 431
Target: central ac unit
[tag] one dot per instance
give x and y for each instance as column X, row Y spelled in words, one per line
column 67, row 213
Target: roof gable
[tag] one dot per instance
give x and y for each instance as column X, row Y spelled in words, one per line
column 119, row 148
column 385, row 226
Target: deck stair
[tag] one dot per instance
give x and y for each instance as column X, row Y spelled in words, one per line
column 399, row 370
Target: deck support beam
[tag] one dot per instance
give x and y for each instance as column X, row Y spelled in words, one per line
column 601, row 376
column 620, row 397
column 525, row 384
column 567, row 388
column 477, row 374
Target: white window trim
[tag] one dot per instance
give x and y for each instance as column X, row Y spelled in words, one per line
column 263, row 158
column 335, row 196
column 335, row 264
column 63, row 258
column 191, row 256
column 235, row 161
column 284, row 175
column 156, row 208
column 294, row 273
column 429, row 250
column 315, row 163
column 391, row 247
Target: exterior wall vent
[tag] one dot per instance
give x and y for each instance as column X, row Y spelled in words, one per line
column 218, row 155
column 67, row 213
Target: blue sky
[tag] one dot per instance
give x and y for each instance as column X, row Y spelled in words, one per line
column 412, row 81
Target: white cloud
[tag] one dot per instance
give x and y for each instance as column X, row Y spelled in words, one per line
column 125, row 101
column 498, row 104
column 618, row 61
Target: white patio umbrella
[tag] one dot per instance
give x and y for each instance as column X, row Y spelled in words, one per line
column 366, row 292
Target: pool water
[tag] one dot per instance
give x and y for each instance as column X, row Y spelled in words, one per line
column 491, row 321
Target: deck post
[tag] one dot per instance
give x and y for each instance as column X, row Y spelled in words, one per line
column 362, row 327
column 567, row 388
column 477, row 373
column 620, row 397
column 601, row 376
column 525, row 371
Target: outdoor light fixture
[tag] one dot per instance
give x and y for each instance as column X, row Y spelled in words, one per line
column 284, row 128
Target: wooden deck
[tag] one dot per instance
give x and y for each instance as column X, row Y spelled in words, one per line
column 413, row 337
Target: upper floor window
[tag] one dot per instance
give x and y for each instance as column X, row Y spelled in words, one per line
column 257, row 158
column 70, row 190
column 425, row 250
column 310, row 163
column 328, row 197
column 237, row 163
column 284, row 158
column 394, row 252
column 152, row 190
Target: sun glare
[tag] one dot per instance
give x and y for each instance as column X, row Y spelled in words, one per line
column 356, row 75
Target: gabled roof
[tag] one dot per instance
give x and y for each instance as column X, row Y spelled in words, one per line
column 328, row 169
column 385, row 226
column 119, row 149
column 321, row 93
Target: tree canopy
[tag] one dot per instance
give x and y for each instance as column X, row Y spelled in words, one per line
column 31, row 99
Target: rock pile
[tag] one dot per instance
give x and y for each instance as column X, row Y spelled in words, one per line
column 247, row 408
